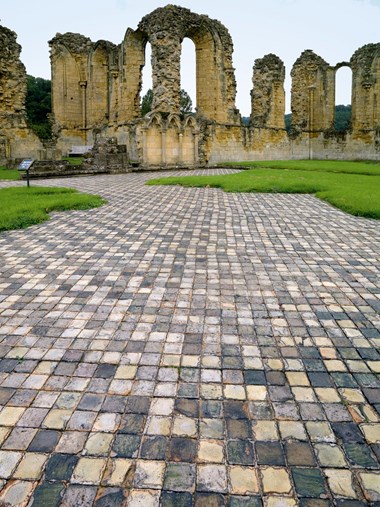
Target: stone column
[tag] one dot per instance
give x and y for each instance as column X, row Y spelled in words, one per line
column 268, row 95
column 166, row 72
column 145, row 146
column 180, row 138
column 163, row 146
column 311, row 119
column 196, row 147
column 114, row 95
column 83, row 86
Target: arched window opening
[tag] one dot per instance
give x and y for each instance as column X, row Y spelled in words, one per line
column 343, row 97
column 147, row 86
column 288, row 90
column 188, row 77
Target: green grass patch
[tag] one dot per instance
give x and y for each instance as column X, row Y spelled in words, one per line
column 355, row 193
column 9, row 174
column 74, row 160
column 331, row 166
column 21, row 207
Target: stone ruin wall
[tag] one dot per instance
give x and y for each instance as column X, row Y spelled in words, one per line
column 268, row 94
column 16, row 140
column 312, row 133
column 107, row 82
column 96, row 91
column 96, row 87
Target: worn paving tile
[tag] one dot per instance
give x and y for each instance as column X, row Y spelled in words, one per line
column 189, row 347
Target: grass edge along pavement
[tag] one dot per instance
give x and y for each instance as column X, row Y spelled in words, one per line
column 337, row 183
column 14, row 174
column 9, row 174
column 333, row 166
column 21, row 207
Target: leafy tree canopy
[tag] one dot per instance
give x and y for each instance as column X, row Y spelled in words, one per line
column 146, row 102
column 186, row 104
column 38, row 105
column 342, row 118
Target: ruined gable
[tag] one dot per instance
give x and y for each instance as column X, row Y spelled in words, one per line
column 313, row 93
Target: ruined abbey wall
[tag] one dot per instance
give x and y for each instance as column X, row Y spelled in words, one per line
column 96, row 91
column 97, row 86
column 16, row 140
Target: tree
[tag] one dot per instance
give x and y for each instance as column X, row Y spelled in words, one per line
column 342, row 121
column 343, row 115
column 288, row 121
column 38, row 105
column 186, row 104
column 146, row 102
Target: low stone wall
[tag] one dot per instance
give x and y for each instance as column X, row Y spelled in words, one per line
column 60, row 169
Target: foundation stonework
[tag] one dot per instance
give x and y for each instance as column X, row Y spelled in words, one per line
column 96, row 91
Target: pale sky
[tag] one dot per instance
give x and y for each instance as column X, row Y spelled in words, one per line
column 334, row 29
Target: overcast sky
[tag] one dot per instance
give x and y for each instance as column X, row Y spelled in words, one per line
column 334, row 29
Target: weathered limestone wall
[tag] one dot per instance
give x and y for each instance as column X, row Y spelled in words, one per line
column 313, row 93
column 165, row 28
column 98, row 85
column 69, row 78
column 96, row 95
column 229, row 144
column 365, row 64
column 232, row 143
column 171, row 141
column 16, row 140
column 82, row 86
column 268, row 94
column 12, row 75
column 132, row 60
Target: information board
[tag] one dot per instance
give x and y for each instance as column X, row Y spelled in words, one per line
column 25, row 164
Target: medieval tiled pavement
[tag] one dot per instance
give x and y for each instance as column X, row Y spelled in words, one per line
column 189, row 347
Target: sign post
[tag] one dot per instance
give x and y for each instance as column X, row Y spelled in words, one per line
column 25, row 165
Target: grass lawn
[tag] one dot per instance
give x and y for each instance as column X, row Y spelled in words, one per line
column 351, row 186
column 74, row 160
column 331, row 166
column 9, row 174
column 21, row 207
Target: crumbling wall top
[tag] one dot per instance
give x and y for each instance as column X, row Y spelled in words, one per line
column 268, row 100
column 181, row 22
column 12, row 74
column 309, row 59
column 363, row 57
column 271, row 63
column 74, row 42
column 8, row 40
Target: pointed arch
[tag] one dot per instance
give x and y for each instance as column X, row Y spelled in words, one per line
column 189, row 70
column 154, row 119
column 191, row 122
column 174, row 120
column 343, row 97
column 216, row 87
